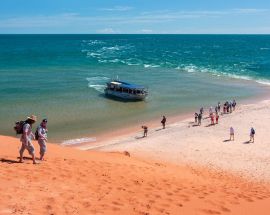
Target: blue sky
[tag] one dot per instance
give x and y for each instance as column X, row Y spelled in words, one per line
column 141, row 16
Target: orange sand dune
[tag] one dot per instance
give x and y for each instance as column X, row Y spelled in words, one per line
column 84, row 182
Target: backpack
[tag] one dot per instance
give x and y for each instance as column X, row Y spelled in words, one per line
column 19, row 127
column 252, row 131
column 36, row 134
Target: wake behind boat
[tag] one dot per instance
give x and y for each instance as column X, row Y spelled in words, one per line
column 125, row 91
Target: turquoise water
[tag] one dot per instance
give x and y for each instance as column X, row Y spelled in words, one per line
column 62, row 77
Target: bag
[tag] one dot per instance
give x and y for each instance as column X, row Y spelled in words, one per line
column 253, row 131
column 19, row 127
column 36, row 134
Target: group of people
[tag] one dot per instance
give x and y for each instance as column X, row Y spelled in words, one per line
column 228, row 107
column 27, row 137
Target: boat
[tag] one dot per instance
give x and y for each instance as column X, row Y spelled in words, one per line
column 125, row 91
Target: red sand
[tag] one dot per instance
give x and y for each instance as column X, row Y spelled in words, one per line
column 84, row 182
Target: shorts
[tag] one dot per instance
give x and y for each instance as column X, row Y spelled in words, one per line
column 42, row 145
column 30, row 148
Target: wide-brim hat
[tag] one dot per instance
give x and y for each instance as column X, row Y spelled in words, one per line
column 32, row 117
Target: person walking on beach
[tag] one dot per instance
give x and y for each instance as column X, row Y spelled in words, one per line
column 212, row 119
column 41, row 136
column 201, row 110
column 231, row 133
column 145, row 130
column 210, row 110
column 163, row 121
column 196, row 117
column 234, row 104
column 224, row 107
column 199, row 119
column 219, row 106
column 27, row 137
column 252, row 134
column 217, row 117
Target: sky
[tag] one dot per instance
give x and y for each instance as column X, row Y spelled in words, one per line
column 135, row 17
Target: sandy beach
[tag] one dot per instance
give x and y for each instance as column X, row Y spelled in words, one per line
column 72, row 181
column 183, row 169
column 184, row 142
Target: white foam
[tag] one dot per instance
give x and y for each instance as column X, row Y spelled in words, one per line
column 263, row 81
column 78, row 141
column 150, row 66
column 97, row 78
column 97, row 83
column 93, row 54
column 98, row 87
column 132, row 64
column 192, row 68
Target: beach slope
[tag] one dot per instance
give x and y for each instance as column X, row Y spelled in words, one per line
column 71, row 181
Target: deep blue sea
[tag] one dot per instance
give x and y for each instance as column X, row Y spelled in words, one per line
column 62, row 77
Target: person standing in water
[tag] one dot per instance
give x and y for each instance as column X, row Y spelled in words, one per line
column 27, row 137
column 42, row 137
column 163, row 121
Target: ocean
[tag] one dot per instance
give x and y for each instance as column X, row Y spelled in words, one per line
column 62, row 78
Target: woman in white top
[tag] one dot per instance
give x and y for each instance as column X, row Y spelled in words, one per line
column 42, row 137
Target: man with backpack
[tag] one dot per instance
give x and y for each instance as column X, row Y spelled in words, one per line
column 26, row 138
column 41, row 137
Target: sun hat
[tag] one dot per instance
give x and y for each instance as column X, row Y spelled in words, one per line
column 32, row 117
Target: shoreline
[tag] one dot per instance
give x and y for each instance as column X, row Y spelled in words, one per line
column 135, row 129
column 207, row 146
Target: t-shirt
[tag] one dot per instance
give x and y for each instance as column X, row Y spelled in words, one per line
column 42, row 133
column 27, row 133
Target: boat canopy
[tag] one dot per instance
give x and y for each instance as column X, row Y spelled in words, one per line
column 128, row 85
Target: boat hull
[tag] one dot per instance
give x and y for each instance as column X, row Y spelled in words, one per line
column 125, row 96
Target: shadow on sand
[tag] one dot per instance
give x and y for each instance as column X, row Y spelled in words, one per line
column 247, row 142
column 3, row 160
column 140, row 137
column 228, row 140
